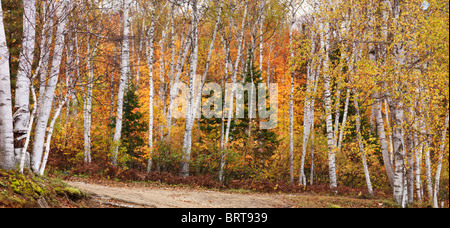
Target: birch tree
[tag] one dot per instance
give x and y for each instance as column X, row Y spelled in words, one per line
column 361, row 145
column 22, row 101
column 439, row 167
column 6, row 122
column 230, row 97
column 308, row 116
column 398, row 121
column 48, row 96
column 294, row 6
column 87, row 108
column 190, row 110
column 150, row 55
column 125, row 71
column 325, row 49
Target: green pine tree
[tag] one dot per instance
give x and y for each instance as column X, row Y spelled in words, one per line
column 133, row 128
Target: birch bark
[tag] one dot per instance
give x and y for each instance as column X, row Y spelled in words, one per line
column 325, row 47
column 439, row 167
column 398, row 112
column 150, row 56
column 291, row 106
column 190, row 115
column 261, row 39
column 230, row 96
column 125, row 71
column 174, row 90
column 361, row 145
column 48, row 97
column 6, row 121
column 308, row 117
column 50, row 134
column 22, row 98
column 87, row 111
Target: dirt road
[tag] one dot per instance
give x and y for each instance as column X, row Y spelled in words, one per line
column 168, row 197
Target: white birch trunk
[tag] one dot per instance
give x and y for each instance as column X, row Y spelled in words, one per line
column 399, row 154
column 141, row 37
column 344, row 120
column 428, row 167
column 48, row 97
column 45, row 46
column 230, row 97
column 173, row 89
column 197, row 104
column 398, row 112
column 308, row 117
column 222, row 142
column 190, row 115
column 291, row 110
column 24, row 155
column 409, row 155
column 383, row 143
column 261, row 39
column 87, row 111
column 337, row 115
column 6, row 121
column 391, row 145
column 125, row 71
column 329, row 119
column 150, row 56
column 312, row 112
column 50, row 134
column 22, row 98
column 361, row 145
column 439, row 167
column 418, row 150
column 162, row 75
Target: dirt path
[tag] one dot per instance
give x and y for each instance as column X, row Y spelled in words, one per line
column 164, row 197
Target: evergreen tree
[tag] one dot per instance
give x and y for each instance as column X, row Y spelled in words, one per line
column 133, row 128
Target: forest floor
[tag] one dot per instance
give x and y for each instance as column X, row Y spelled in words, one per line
column 151, row 195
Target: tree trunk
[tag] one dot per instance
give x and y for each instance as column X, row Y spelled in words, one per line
column 361, row 145
column 125, row 71
column 174, row 89
column 344, row 120
column 261, row 39
column 291, row 110
column 197, row 104
column 48, row 97
column 383, row 142
column 22, row 98
column 87, row 111
column 190, row 115
column 308, row 116
column 418, row 150
column 428, row 171
column 230, row 96
column 325, row 46
column 6, row 121
column 150, row 55
column 409, row 155
column 439, row 167
column 50, row 134
column 399, row 154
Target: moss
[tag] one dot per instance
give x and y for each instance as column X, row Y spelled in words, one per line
column 24, row 190
column 24, row 185
column 333, row 206
column 72, row 193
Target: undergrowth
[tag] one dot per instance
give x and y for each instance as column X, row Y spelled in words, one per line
column 28, row 190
